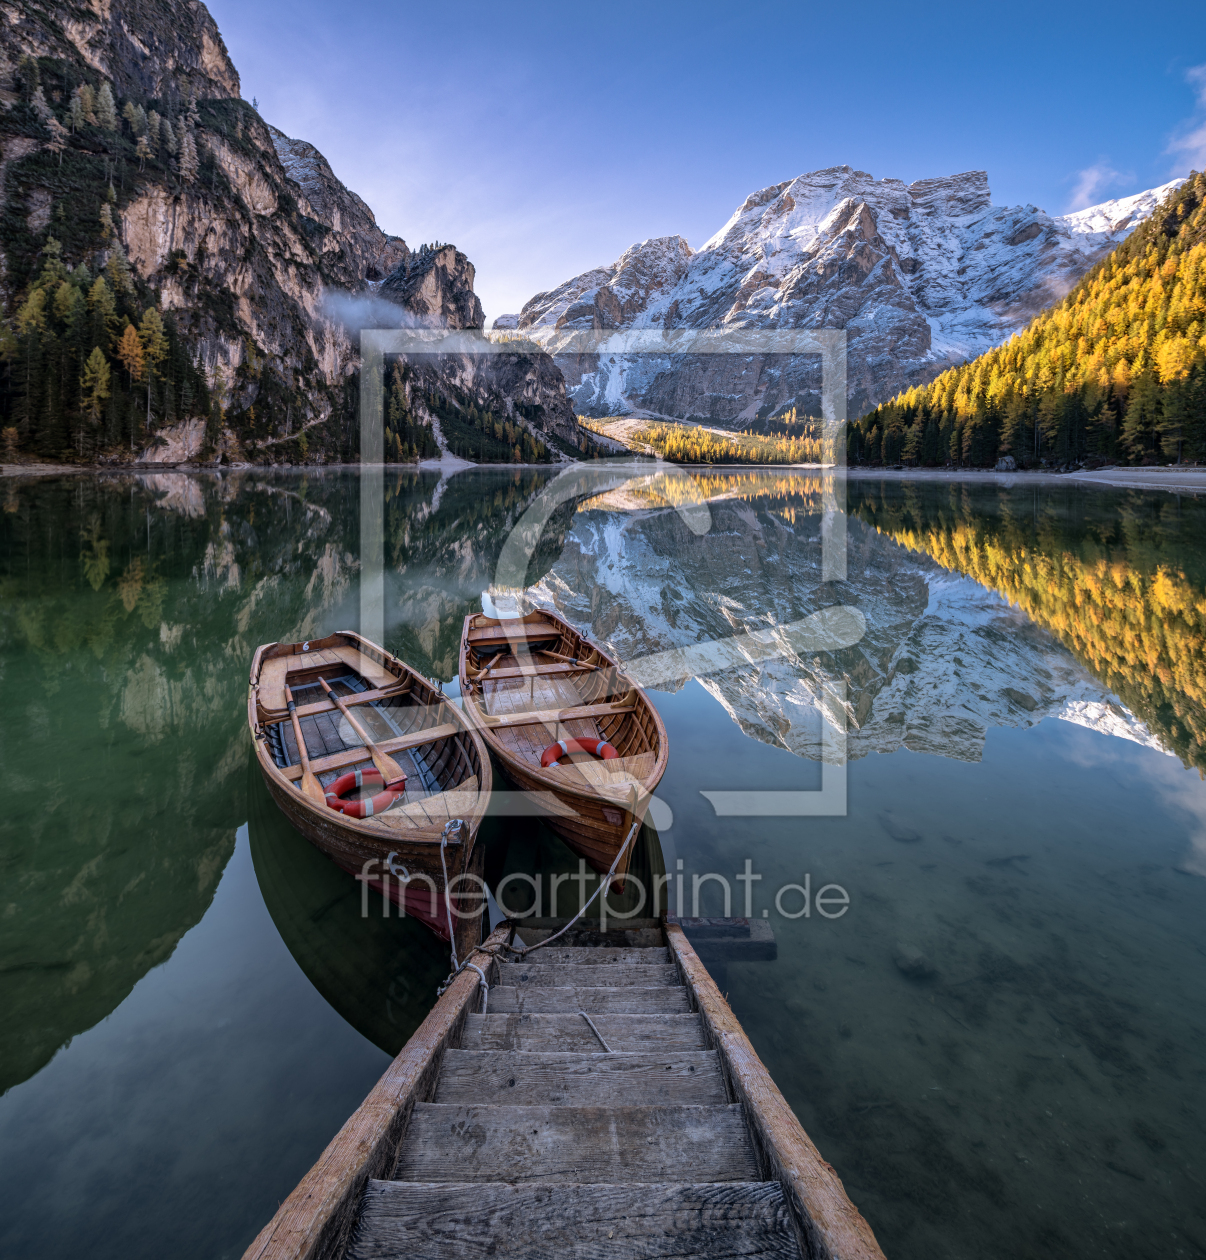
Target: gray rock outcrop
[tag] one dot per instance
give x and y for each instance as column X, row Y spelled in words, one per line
column 244, row 251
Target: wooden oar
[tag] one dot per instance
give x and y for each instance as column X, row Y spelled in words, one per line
column 570, row 660
column 310, row 783
column 391, row 772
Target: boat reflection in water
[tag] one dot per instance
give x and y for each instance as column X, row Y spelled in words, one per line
column 381, row 973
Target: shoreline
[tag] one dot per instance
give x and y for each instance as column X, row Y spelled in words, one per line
column 1172, row 479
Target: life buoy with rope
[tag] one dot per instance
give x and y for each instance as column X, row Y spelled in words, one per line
column 367, row 808
column 596, row 747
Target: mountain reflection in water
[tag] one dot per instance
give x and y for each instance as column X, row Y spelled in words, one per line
column 942, row 661
column 1120, row 579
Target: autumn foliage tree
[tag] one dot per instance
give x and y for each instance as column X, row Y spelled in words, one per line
column 1116, row 371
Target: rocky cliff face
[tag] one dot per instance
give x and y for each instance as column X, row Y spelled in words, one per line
column 242, row 246
column 922, row 276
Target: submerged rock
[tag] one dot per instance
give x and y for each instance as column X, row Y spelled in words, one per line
column 897, row 830
column 910, row 961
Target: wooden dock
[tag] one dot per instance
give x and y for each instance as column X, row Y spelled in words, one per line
column 607, row 1104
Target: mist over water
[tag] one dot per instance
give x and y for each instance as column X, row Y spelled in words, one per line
column 998, row 1046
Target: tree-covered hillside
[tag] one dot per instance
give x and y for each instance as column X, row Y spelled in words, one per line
column 1116, row 372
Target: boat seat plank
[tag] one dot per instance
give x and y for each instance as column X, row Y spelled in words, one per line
column 511, row 700
column 519, row 632
column 558, row 717
column 416, row 739
column 433, row 810
column 527, row 975
column 542, row 669
column 623, row 1033
column 358, row 697
column 514, row 1078
column 723, row 1221
column 274, row 673
column 601, row 999
column 472, row 1142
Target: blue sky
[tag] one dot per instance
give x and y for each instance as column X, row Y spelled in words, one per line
column 543, row 139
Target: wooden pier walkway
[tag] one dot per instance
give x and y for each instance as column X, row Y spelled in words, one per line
column 608, row 1104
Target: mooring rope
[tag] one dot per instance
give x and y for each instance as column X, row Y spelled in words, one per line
column 603, row 883
column 458, row 967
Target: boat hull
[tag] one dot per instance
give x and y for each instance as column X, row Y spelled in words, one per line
column 594, row 820
column 397, row 858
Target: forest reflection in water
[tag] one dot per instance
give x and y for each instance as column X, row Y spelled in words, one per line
column 129, row 609
column 1037, row 864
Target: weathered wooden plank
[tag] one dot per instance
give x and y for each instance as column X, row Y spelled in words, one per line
column 573, row 975
column 571, row 1032
column 723, row 1221
column 584, row 956
column 416, row 739
column 400, row 688
column 511, row 1078
column 550, row 717
column 314, row 1222
column 518, row 632
column 580, row 1144
column 831, row 1227
column 723, row 941
column 634, row 934
column 540, row 670
column 622, row 1000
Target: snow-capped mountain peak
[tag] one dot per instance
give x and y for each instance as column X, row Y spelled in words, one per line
column 921, row 275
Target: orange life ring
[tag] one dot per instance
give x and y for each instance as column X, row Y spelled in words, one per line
column 596, row 747
column 362, row 809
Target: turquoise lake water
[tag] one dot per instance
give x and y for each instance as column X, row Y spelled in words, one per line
column 999, row 1044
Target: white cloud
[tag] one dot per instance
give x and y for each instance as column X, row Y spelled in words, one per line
column 1189, row 141
column 1091, row 183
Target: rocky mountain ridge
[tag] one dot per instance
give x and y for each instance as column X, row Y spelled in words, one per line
column 235, row 232
column 922, row 276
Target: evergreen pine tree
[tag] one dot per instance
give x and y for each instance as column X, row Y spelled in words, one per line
column 106, row 110
column 119, row 270
column 88, row 103
column 58, row 137
column 187, row 162
column 38, row 101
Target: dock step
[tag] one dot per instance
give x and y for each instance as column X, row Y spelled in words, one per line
column 588, row 956
column 551, row 999
column 657, row 1033
column 574, row 974
column 725, row 1221
column 514, row 1079
column 576, row 1144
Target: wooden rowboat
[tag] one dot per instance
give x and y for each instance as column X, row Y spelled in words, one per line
column 527, row 683
column 398, row 851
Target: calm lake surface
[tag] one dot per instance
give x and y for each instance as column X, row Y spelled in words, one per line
column 1000, row 1045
